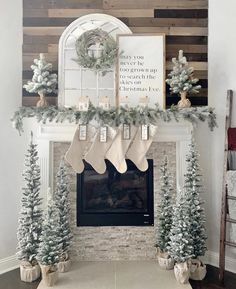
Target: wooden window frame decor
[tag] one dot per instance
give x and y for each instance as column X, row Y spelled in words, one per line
column 141, row 68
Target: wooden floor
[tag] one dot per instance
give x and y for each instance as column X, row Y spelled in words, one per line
column 11, row 280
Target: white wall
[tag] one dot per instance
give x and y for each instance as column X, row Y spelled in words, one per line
column 11, row 145
column 222, row 76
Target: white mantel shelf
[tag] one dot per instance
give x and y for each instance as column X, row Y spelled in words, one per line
column 167, row 131
column 178, row 132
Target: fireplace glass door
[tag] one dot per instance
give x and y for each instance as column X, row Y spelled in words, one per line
column 113, row 198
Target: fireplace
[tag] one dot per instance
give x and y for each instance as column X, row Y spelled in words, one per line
column 98, row 243
column 114, row 199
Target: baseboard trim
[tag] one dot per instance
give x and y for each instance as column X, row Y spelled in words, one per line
column 212, row 258
column 8, row 264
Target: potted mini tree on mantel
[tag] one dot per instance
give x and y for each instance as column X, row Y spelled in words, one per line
column 43, row 80
column 165, row 213
column 182, row 81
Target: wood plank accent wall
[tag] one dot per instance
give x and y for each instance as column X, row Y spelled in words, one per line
column 185, row 23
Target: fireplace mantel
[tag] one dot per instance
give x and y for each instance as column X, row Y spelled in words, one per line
column 178, row 132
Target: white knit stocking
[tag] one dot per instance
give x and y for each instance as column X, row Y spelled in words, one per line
column 138, row 149
column 97, row 152
column 118, row 149
column 74, row 155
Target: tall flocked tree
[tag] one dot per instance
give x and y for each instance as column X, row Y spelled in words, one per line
column 193, row 188
column 181, row 77
column 30, row 220
column 165, row 207
column 181, row 241
column 50, row 242
column 63, row 205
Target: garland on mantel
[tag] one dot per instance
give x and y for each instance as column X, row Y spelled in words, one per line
column 114, row 116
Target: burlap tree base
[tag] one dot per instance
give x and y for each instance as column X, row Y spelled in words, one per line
column 197, row 270
column 49, row 275
column 182, row 272
column 29, row 273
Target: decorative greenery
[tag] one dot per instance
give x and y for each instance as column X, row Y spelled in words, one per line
column 180, row 246
column 193, row 188
column 50, row 241
column 63, row 205
column 114, row 116
column 181, row 77
column 30, row 220
column 43, row 80
column 165, row 207
column 86, row 57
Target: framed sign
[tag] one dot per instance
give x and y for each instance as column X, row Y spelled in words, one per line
column 141, row 68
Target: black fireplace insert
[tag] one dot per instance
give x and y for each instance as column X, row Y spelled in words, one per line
column 114, row 199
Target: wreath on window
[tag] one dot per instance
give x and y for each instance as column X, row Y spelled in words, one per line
column 106, row 56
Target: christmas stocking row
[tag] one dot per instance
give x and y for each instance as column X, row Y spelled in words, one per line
column 113, row 146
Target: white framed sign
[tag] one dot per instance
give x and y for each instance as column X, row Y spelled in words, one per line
column 141, row 68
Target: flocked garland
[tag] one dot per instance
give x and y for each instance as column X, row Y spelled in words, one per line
column 114, row 116
column 108, row 54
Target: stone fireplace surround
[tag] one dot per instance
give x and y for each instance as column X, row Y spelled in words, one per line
column 118, row 242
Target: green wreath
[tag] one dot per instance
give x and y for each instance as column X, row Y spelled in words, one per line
column 108, row 54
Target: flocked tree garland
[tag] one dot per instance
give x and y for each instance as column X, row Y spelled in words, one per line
column 114, row 116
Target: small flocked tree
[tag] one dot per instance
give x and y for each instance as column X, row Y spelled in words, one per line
column 63, row 205
column 193, row 188
column 181, row 241
column 50, row 242
column 30, row 220
column 43, row 81
column 165, row 207
column 181, row 77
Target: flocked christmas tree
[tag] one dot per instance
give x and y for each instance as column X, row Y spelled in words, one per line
column 165, row 207
column 43, row 81
column 181, row 77
column 181, row 80
column 63, row 205
column 180, row 246
column 193, row 188
column 30, row 220
column 50, row 242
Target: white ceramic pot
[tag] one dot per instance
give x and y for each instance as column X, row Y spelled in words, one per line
column 182, row 272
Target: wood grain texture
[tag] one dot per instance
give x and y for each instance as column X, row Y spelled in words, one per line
column 185, row 23
column 141, row 4
column 75, row 13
